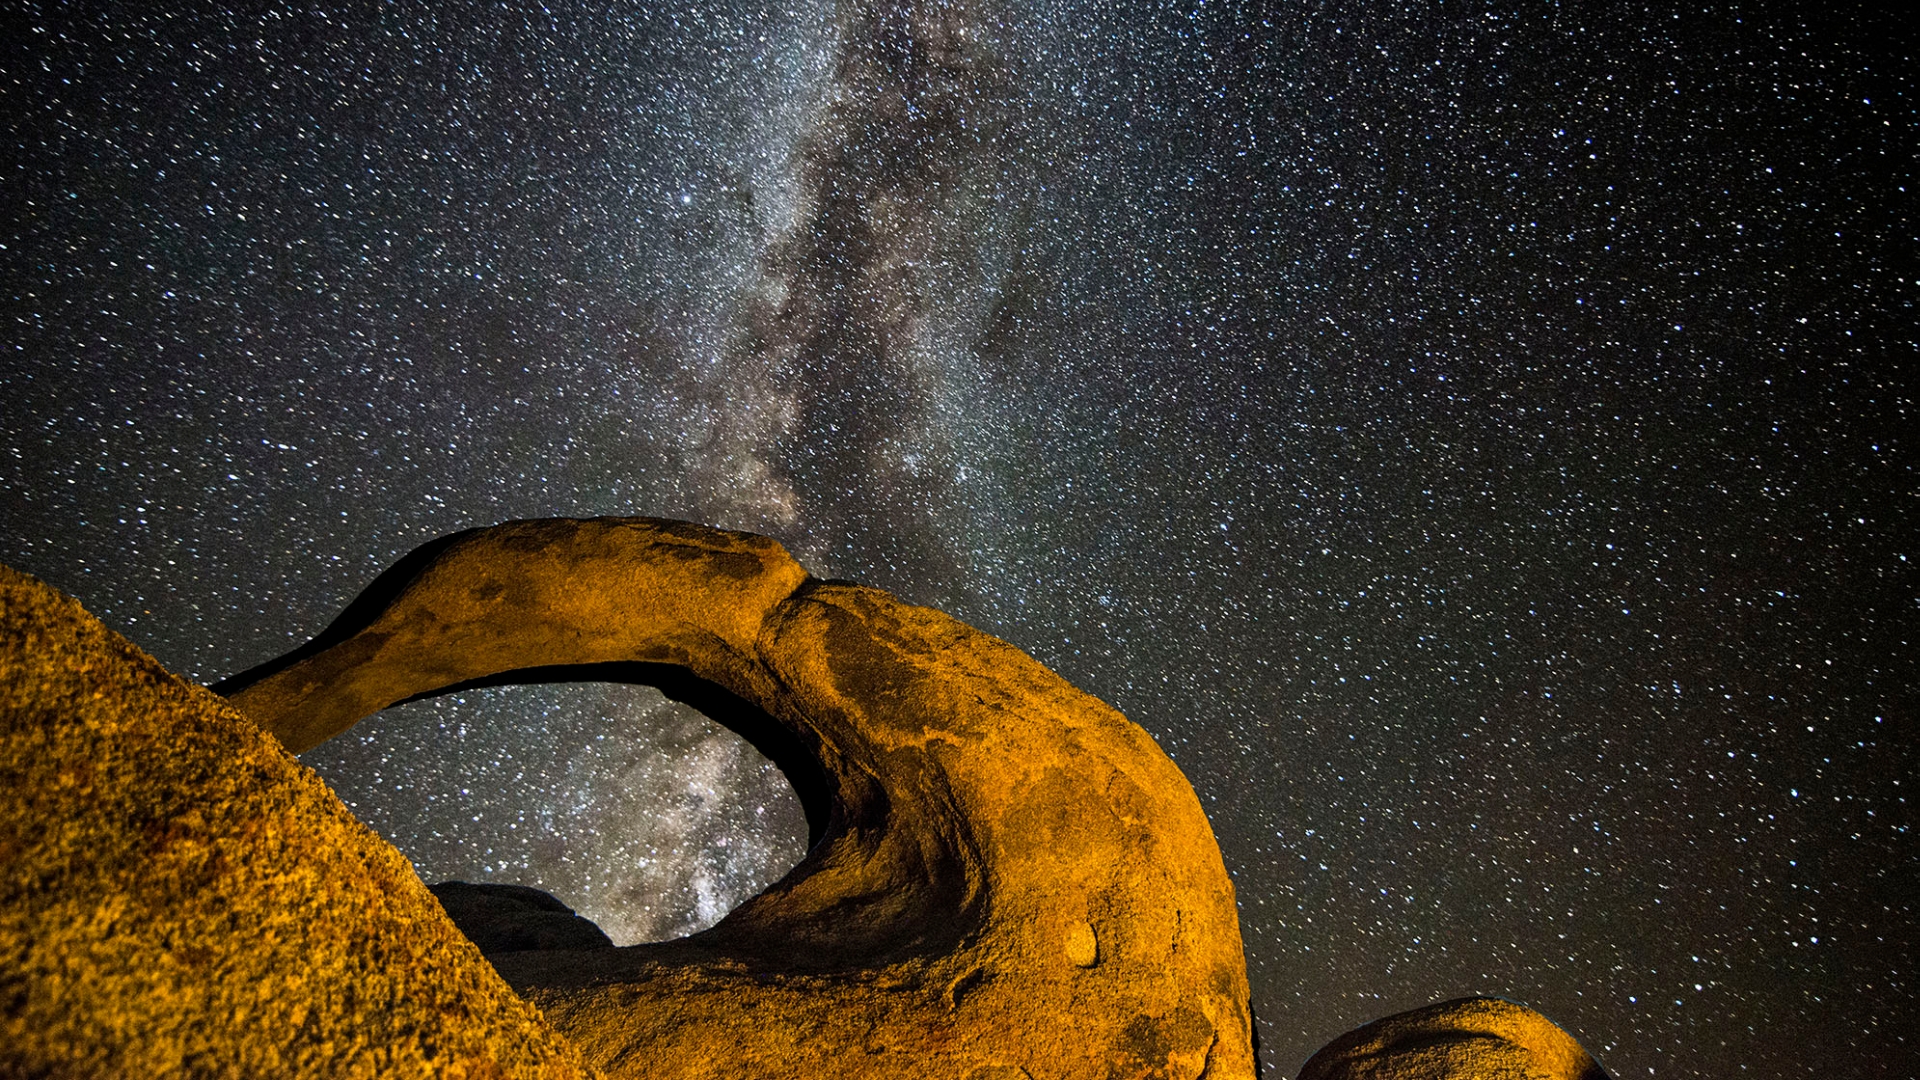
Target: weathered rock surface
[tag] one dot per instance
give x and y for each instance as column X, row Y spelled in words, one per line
column 1009, row 879
column 179, row 897
column 1468, row 1039
column 515, row 918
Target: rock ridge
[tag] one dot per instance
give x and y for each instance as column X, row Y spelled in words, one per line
column 180, row 897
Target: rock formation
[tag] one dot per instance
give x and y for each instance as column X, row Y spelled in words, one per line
column 1469, row 1039
column 515, row 918
column 1009, row 879
column 179, row 897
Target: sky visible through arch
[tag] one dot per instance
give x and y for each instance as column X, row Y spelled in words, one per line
column 1472, row 438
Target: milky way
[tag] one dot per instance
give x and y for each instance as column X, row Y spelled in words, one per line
column 856, row 341
column 1472, row 438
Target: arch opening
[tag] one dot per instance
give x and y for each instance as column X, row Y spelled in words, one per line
column 649, row 801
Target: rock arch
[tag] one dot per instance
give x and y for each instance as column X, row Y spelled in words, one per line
column 1008, row 877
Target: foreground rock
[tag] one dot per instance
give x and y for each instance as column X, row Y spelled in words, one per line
column 1468, row 1039
column 179, row 897
column 1009, row 879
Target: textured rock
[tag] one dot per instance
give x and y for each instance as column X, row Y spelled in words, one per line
column 1009, row 878
column 1468, row 1039
column 515, row 918
column 179, row 897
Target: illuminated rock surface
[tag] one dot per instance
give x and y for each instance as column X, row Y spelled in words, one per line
column 1468, row 1039
column 178, row 896
column 1008, row 879
column 1008, row 876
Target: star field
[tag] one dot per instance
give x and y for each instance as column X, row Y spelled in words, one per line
column 1473, row 438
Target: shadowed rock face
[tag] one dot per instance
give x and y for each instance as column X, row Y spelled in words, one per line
column 515, row 918
column 1007, row 874
column 1468, row 1039
column 180, row 897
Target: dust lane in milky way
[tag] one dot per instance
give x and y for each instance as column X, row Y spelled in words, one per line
column 855, row 345
column 1471, row 438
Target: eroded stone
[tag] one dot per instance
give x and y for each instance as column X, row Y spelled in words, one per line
column 1469, row 1039
column 180, row 897
column 970, row 805
column 1008, row 879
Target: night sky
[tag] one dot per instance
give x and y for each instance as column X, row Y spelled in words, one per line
column 1475, row 439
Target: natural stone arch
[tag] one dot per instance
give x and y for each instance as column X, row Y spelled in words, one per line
column 1008, row 876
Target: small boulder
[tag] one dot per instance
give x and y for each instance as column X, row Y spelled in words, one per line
column 515, row 918
column 1467, row 1039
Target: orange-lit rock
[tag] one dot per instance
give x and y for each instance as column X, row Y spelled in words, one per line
column 1468, row 1039
column 179, row 897
column 1009, row 879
